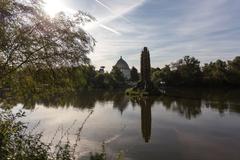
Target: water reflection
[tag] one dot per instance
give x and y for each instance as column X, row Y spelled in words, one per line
column 188, row 103
column 188, row 108
column 167, row 127
column 146, row 117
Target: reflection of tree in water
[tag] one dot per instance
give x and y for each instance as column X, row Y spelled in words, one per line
column 189, row 102
column 186, row 102
column 120, row 102
column 187, row 107
column 223, row 100
column 81, row 100
column 146, row 116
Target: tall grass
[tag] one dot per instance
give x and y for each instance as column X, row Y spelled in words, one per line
column 18, row 143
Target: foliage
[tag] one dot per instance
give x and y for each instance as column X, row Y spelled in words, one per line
column 234, row 71
column 117, row 75
column 28, row 37
column 16, row 143
column 188, row 72
column 112, row 80
column 145, row 67
column 134, row 75
column 215, row 73
column 99, row 156
column 33, row 80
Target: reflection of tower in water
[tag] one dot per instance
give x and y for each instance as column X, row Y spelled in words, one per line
column 146, row 117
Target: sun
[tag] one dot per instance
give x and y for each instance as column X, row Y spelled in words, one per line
column 52, row 7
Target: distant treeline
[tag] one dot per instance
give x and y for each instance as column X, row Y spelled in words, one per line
column 188, row 72
column 32, row 80
column 185, row 72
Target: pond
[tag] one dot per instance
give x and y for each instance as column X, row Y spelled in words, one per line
column 196, row 124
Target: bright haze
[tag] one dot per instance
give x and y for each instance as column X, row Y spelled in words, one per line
column 206, row 29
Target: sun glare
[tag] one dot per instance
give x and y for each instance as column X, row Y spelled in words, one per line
column 52, row 7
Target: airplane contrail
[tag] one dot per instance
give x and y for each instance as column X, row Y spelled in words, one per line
column 109, row 29
column 109, row 9
column 105, row 6
column 97, row 23
column 115, row 15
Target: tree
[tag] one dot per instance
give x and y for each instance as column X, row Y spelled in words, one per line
column 234, row 71
column 99, row 81
column 117, row 76
column 215, row 73
column 187, row 70
column 163, row 76
column 156, row 78
column 134, row 75
column 29, row 37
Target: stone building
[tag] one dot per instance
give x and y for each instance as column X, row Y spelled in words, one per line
column 123, row 67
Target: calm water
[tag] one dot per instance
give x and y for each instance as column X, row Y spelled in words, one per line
column 193, row 125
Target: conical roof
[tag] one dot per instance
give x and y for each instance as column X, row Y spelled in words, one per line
column 122, row 64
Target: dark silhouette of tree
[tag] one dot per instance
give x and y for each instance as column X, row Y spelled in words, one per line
column 187, row 71
column 215, row 73
column 117, row 75
column 134, row 75
column 145, row 83
column 165, row 75
column 99, row 81
column 145, row 67
column 234, row 71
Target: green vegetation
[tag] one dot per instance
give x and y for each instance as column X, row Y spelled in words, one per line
column 136, row 92
column 43, row 58
column 185, row 72
column 188, row 72
column 17, row 143
column 30, row 38
column 64, row 79
column 134, row 75
column 40, row 54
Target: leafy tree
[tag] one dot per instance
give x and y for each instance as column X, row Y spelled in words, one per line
column 156, row 78
column 117, row 76
column 90, row 73
column 165, row 75
column 134, row 75
column 188, row 71
column 155, row 70
column 215, row 73
column 109, row 81
column 29, row 37
column 99, row 81
column 234, row 71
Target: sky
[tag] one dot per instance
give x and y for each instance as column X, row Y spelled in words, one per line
column 206, row 29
